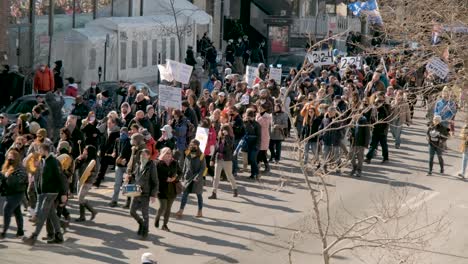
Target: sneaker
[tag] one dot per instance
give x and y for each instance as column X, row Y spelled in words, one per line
column 165, row 228
column 368, row 161
column 384, row 161
column 113, row 204
column 441, row 171
column 358, row 174
column 429, row 173
column 19, row 233
column 461, row 175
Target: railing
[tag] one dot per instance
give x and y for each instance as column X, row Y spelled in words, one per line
column 320, row 25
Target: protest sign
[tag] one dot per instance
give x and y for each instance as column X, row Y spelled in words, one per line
column 180, row 71
column 275, row 74
column 170, row 97
column 437, row 67
column 348, row 61
column 245, row 99
column 250, row 73
column 165, row 74
column 320, row 58
column 202, row 137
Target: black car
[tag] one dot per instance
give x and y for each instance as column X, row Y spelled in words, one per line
column 26, row 103
column 288, row 61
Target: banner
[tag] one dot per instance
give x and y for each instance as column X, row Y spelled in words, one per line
column 202, row 137
column 250, row 74
column 437, row 67
column 347, row 61
column 170, row 97
column 320, row 58
column 180, row 71
column 275, row 74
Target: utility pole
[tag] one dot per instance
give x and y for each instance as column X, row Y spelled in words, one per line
column 51, row 30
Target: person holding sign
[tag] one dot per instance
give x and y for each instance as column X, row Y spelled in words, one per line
column 223, row 156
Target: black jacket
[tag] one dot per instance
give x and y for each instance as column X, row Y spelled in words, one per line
column 253, row 133
column 41, row 121
column 238, row 127
column 191, row 116
column 52, row 180
column 382, row 119
column 170, row 143
column 147, row 178
column 228, row 149
column 332, row 136
column 167, row 190
column 311, row 128
column 109, row 142
column 123, row 148
column 16, row 183
column 359, row 134
column 81, row 111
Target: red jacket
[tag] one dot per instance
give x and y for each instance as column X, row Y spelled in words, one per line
column 211, row 141
column 151, row 146
column 44, row 81
column 72, row 90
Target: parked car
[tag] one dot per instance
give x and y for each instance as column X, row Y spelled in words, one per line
column 139, row 86
column 289, row 60
column 26, row 103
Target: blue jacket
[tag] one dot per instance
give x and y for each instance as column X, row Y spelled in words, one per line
column 446, row 109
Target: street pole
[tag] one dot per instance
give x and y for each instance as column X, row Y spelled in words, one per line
column 221, row 30
column 105, row 55
column 95, row 4
column 73, row 14
column 130, row 8
column 142, row 2
column 32, row 21
column 51, row 30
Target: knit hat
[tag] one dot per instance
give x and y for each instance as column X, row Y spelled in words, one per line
column 148, row 107
column 42, row 132
column 34, row 127
column 63, row 145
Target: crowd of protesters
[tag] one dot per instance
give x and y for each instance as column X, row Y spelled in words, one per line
column 336, row 113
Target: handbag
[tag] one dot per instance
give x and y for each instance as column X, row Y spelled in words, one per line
column 179, row 187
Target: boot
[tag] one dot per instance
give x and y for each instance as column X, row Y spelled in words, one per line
column 20, row 233
column 58, row 239
column 91, row 209
column 156, row 223
column 179, row 214
column 199, row 214
column 267, row 167
column 127, row 203
column 145, row 231
column 213, row 196
column 140, row 229
column 82, row 214
column 235, row 194
column 30, row 240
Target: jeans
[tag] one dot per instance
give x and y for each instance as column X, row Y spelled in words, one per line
column 331, row 155
column 46, row 211
column 357, row 153
column 252, row 158
column 119, row 173
column 105, row 162
column 12, row 206
column 183, row 201
column 311, row 146
column 376, row 139
column 165, row 206
column 432, row 151
column 235, row 160
column 464, row 161
column 396, row 129
column 275, row 149
column 221, row 165
column 140, row 203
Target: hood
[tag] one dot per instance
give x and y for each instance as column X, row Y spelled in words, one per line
column 74, row 85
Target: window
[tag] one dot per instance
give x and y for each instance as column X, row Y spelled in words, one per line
column 134, row 54
column 123, row 55
column 92, row 59
column 144, row 62
column 154, row 52
column 164, row 50
column 173, row 48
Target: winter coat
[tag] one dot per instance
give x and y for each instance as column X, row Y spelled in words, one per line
column 238, row 128
column 15, row 183
column 91, row 134
column 151, row 146
column 15, row 84
column 72, row 90
column 167, row 190
column 332, row 137
column 107, row 148
column 180, row 129
column 123, row 149
column 211, row 144
column 170, row 143
column 310, row 128
column 401, row 112
column 437, row 135
column 51, row 180
column 193, row 173
column 383, row 116
column 41, row 121
column 81, row 111
column 254, row 135
column 280, row 122
column 44, row 81
column 58, row 75
column 154, row 127
column 227, row 149
column 147, row 178
column 359, row 134
column 264, row 121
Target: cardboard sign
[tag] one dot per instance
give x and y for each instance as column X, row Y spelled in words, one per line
column 202, row 137
column 347, row 61
column 437, row 67
column 180, row 71
column 245, row 99
column 275, row 74
column 165, row 74
column 320, row 58
column 250, row 74
column 170, row 97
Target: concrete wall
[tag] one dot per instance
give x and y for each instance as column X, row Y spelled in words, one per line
column 4, row 8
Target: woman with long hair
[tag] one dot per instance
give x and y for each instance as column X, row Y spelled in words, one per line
column 277, row 135
column 167, row 174
column 13, row 184
column 194, row 167
column 81, row 163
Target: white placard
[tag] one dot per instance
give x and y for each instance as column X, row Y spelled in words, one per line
column 202, row 137
column 170, row 97
column 250, row 74
column 348, row 61
column 165, row 74
column 438, row 68
column 245, row 99
column 320, row 58
column 275, row 74
column 180, row 71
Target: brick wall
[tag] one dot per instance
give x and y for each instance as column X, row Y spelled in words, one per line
column 4, row 7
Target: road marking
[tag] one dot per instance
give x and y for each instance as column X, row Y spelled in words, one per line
column 420, row 199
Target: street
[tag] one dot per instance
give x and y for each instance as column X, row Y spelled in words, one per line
column 257, row 226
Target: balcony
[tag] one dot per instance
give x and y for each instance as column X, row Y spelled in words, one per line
column 320, row 25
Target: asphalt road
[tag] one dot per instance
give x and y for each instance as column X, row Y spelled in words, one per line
column 257, row 226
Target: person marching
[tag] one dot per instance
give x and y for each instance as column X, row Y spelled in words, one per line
column 49, row 186
column 223, row 156
column 13, row 184
column 437, row 134
column 124, row 151
column 86, row 166
column 194, row 167
column 146, row 177
column 137, row 141
column 168, row 169
column 68, row 169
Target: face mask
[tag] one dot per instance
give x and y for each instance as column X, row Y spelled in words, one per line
column 42, row 68
column 94, row 86
column 193, row 150
column 91, row 119
column 11, row 161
